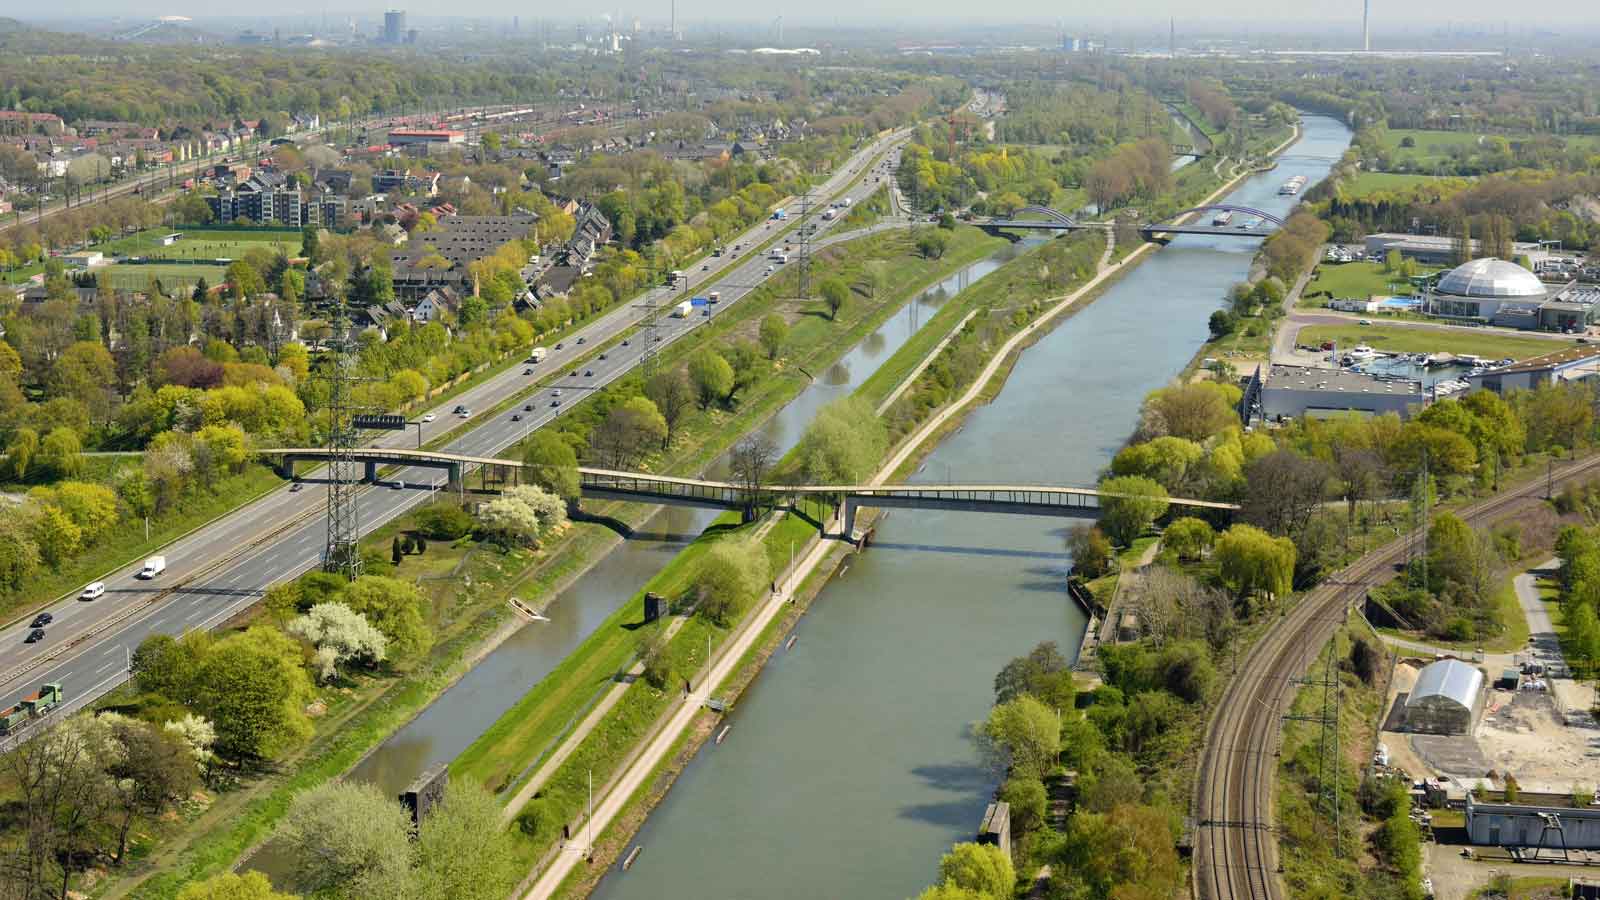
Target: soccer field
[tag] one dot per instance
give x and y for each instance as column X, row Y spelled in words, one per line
column 207, row 244
column 172, row 276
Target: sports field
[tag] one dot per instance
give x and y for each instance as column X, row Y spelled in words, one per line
column 171, row 276
column 205, row 244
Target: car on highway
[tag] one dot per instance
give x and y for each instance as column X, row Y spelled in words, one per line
column 397, row 486
column 297, row 487
column 516, row 417
column 429, row 417
column 588, row 373
column 556, row 392
column 582, row 341
column 555, row 401
column 574, row 374
column 34, row 636
column 560, row 344
column 527, row 407
column 527, row 371
column 459, row 409
column 464, row 413
column 602, row 356
column 42, row 619
column 94, row 591
column 624, row 342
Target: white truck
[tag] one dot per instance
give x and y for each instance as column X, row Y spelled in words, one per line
column 537, row 355
column 681, row 311
column 846, row 202
column 778, row 256
column 714, row 296
column 153, row 566
column 829, row 214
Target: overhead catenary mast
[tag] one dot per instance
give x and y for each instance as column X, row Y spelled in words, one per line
column 343, row 551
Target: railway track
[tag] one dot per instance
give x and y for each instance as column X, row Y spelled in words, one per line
column 1236, row 849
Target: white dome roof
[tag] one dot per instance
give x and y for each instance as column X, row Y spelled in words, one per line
column 1490, row 277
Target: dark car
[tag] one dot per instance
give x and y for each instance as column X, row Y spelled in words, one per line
column 34, row 636
column 624, row 342
column 555, row 401
column 297, row 487
column 560, row 344
column 574, row 374
column 459, row 410
column 527, row 371
column 41, row 620
column 527, row 407
column 602, row 356
column 588, row 373
column 582, row 340
column 516, row 417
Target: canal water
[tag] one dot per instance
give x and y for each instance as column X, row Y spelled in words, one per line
column 849, row 767
column 468, row 708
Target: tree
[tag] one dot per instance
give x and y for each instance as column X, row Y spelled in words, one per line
column 1250, row 561
column 844, row 443
column 1195, row 410
column 340, row 636
column 1126, row 852
column 731, row 574
column 252, row 688
column 982, row 868
column 63, row 798
column 932, row 244
column 672, row 394
column 554, row 464
column 1129, row 505
column 86, row 372
column 750, row 463
column 1028, row 802
column 1091, row 552
column 462, row 852
column 1188, row 537
column 153, row 770
column 1283, row 490
column 61, row 453
column 712, row 377
column 1221, row 323
column 1022, row 736
column 835, row 293
column 233, row 886
column 244, row 280
column 521, row 514
column 774, row 331
column 394, row 607
column 627, row 432
column 1042, row 674
column 21, row 451
column 349, row 839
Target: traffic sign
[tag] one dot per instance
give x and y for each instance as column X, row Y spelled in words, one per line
column 381, row 422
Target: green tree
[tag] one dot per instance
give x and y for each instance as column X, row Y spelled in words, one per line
column 983, row 868
column 670, row 391
column 1129, row 505
column 252, row 687
column 22, row 450
column 1092, row 554
column 1023, row 736
column 244, row 280
column 712, row 377
column 730, row 575
column 233, row 886
column 462, row 852
column 835, row 293
column 86, row 373
column 774, row 331
column 1028, row 802
column 395, row 608
column 844, row 443
column 1250, row 561
column 348, row 839
column 1042, row 674
column 61, row 453
column 1188, row 537
column 554, row 464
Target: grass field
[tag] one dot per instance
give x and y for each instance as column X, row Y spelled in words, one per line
column 1366, row 184
column 204, row 244
column 172, row 275
column 1479, row 342
column 1435, row 147
column 1355, row 279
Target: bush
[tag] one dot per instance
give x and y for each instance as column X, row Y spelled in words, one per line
column 443, row 521
column 535, row 818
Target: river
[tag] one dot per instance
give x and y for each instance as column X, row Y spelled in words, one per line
column 468, row 708
column 849, row 767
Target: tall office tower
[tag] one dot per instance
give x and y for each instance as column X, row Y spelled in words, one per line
column 394, row 26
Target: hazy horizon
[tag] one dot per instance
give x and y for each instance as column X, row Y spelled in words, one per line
column 1421, row 15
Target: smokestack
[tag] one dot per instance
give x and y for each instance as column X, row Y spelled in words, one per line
column 1172, row 38
column 1366, row 35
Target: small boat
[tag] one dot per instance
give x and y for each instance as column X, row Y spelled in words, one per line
column 1222, row 218
column 1363, row 352
column 1252, row 222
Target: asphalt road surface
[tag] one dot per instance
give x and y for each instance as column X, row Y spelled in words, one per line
column 226, row 566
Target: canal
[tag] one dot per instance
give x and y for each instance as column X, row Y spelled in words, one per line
column 849, row 768
column 468, row 708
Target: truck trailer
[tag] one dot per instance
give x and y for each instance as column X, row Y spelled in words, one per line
column 33, row 706
column 681, row 311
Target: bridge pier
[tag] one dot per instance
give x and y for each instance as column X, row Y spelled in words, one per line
column 285, row 467
column 455, row 478
column 370, row 475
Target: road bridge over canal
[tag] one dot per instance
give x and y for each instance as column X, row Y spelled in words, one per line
column 644, row 487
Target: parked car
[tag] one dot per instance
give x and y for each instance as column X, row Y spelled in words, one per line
column 94, row 591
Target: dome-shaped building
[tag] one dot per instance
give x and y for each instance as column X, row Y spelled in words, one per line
column 1489, row 290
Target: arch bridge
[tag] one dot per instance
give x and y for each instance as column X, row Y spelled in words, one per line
column 643, row 487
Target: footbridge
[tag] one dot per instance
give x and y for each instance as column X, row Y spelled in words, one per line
column 1221, row 219
column 643, row 487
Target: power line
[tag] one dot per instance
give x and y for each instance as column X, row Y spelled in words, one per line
column 343, row 550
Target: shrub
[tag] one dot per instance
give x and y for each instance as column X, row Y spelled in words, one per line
column 443, row 521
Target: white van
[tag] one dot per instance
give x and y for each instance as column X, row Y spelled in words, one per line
column 153, row 566
column 94, row 591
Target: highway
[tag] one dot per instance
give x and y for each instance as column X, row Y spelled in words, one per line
column 226, row 566
column 1236, row 852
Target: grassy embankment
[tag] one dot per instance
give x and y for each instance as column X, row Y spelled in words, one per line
column 1399, row 339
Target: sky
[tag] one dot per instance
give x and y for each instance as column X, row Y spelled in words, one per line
column 1300, row 14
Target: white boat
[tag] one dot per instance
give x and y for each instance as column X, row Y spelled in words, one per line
column 1292, row 186
column 1222, row 218
column 1362, row 351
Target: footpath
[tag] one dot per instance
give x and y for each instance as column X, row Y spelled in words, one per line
column 616, row 795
